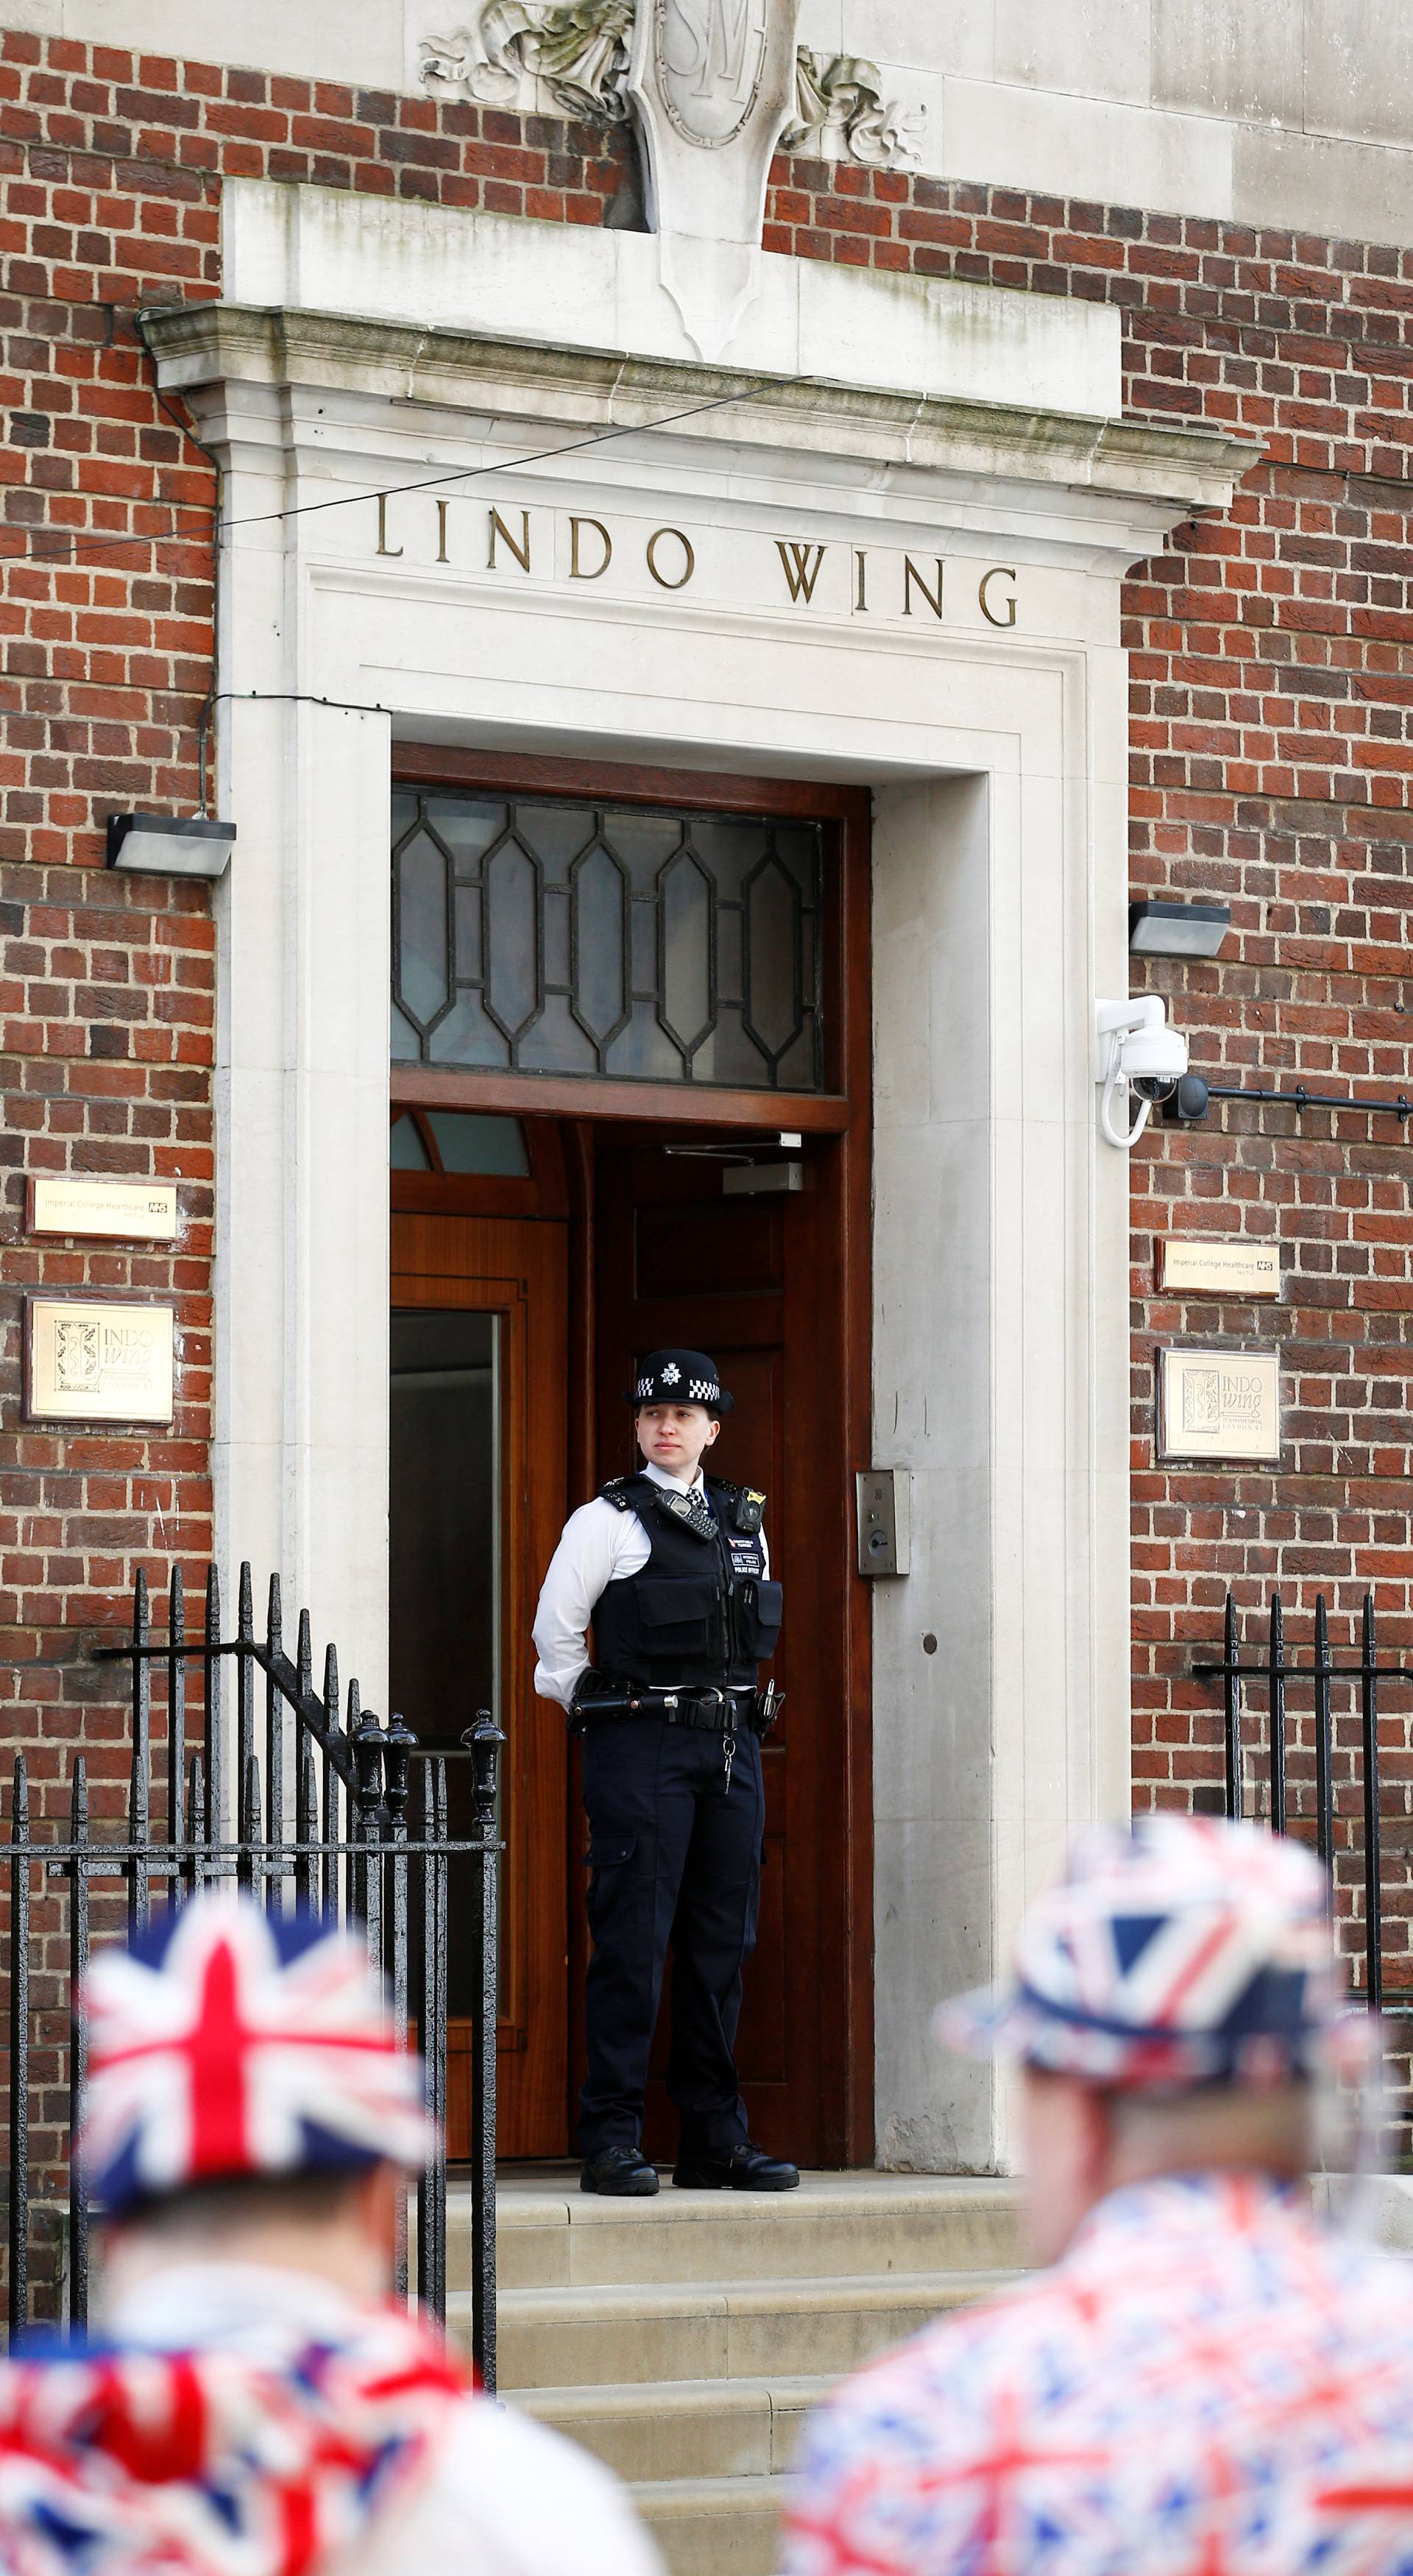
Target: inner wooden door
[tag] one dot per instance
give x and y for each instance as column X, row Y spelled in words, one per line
column 477, row 1498
column 754, row 1280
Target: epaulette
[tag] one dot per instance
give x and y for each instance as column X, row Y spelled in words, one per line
column 616, row 1492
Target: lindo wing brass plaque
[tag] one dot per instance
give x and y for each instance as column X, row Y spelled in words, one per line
column 1205, row 1269
column 1218, row 1404
column 132, row 1211
column 98, row 1361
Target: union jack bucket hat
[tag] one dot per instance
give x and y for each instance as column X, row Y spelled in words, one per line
column 225, row 2041
column 1183, row 1952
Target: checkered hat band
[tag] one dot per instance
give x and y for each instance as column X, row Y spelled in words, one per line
column 678, row 1377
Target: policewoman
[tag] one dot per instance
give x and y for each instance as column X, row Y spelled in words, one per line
column 673, row 1570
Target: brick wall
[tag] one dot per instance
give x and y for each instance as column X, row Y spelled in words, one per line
column 111, row 166
column 1272, row 675
column 1271, row 765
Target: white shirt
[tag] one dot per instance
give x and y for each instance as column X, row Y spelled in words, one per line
column 600, row 1545
column 506, row 2497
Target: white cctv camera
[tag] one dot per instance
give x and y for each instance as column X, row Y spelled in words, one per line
column 1136, row 1050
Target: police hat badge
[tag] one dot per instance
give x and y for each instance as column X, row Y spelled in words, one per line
column 678, row 1377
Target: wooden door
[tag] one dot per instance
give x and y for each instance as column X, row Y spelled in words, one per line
column 747, row 1279
column 779, row 1290
column 477, row 1495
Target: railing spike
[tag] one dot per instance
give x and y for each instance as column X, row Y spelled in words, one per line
column 1324, row 1748
column 246, row 1868
column 1231, row 1699
column 78, row 2040
column 1277, row 1715
column 213, row 1748
column 78, row 1801
column 19, row 1965
column 331, row 1783
column 196, row 1821
column 306, row 1826
column 1373, row 1863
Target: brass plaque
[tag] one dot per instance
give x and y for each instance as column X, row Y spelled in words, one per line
column 1218, row 1404
column 1200, row 1268
column 93, row 1360
column 132, row 1211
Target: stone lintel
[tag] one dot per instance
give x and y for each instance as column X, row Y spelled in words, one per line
column 1168, row 468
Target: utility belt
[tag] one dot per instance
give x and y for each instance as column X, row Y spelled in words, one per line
column 715, row 1712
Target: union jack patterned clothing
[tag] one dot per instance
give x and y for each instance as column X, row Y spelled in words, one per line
column 254, row 2421
column 1207, row 2384
column 265, row 2451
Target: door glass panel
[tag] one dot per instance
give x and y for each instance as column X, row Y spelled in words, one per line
column 406, row 1151
column 551, row 937
column 444, row 1640
column 467, row 1141
column 459, row 1141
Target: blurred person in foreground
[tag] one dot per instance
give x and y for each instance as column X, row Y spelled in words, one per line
column 1204, row 2381
column 251, row 2401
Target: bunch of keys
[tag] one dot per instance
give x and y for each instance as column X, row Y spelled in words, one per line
column 729, row 1756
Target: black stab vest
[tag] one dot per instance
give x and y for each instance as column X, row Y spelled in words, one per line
column 701, row 1614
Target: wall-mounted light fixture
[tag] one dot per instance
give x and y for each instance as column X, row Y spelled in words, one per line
column 1177, row 929
column 170, row 845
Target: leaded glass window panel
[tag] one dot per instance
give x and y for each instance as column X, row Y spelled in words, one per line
column 538, row 936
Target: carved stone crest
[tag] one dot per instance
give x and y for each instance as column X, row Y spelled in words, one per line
column 712, row 83
column 708, row 56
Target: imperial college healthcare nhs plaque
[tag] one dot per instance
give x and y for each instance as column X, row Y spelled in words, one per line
column 94, row 1360
column 120, row 1211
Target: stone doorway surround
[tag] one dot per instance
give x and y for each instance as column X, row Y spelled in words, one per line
column 364, row 346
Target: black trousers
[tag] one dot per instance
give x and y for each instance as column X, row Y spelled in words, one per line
column 674, row 1857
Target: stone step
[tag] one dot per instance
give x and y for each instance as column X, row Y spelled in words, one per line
column 684, row 2428
column 715, row 2526
column 640, row 2331
column 552, row 2236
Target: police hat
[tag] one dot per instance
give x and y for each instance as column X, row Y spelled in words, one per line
column 679, row 1377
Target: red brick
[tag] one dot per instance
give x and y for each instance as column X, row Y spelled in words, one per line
column 1272, row 765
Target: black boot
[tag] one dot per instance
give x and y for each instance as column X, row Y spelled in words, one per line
column 622, row 2173
column 744, row 2167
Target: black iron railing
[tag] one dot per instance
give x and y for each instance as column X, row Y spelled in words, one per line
column 1345, row 1831
column 334, row 1811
